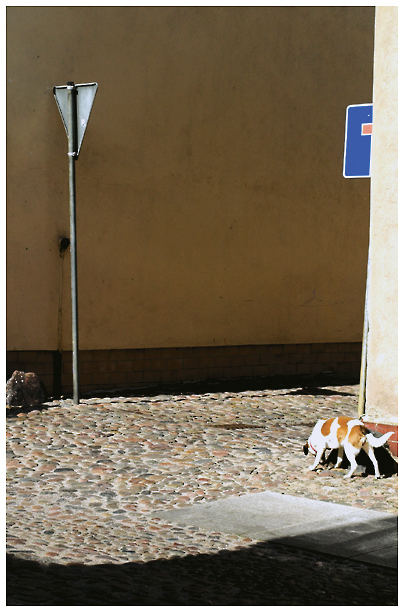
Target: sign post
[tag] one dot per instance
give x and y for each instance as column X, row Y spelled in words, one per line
column 74, row 103
column 357, row 164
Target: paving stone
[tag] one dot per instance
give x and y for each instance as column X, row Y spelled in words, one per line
column 163, row 452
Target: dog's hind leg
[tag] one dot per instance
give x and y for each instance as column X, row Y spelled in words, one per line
column 351, row 453
column 371, row 454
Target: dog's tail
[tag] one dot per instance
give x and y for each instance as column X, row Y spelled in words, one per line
column 376, row 442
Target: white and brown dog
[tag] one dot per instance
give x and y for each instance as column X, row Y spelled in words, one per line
column 346, row 434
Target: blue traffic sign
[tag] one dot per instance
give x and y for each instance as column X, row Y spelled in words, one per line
column 358, row 138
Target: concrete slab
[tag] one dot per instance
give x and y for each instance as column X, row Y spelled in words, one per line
column 363, row 535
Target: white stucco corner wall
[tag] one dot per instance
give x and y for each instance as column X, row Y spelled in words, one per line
column 382, row 365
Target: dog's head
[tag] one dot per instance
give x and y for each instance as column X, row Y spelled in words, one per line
column 309, row 448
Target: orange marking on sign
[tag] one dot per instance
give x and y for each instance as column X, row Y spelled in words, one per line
column 367, row 129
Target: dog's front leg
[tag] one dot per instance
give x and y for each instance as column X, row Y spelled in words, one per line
column 340, row 457
column 317, row 460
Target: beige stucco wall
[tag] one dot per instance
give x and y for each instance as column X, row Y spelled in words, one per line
column 212, row 209
column 382, row 371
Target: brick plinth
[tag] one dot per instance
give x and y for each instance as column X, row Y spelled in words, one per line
column 384, row 428
column 137, row 368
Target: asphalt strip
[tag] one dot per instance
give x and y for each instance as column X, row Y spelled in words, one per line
column 344, row 531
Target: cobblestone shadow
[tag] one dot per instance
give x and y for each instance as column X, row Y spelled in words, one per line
column 318, row 391
column 263, row 574
column 13, row 411
column 387, row 465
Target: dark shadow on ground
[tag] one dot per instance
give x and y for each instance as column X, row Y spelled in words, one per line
column 317, row 391
column 233, row 385
column 12, row 411
column 263, row 574
column 387, row 464
column 372, row 540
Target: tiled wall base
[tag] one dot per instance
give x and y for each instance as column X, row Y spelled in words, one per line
column 384, row 428
column 137, row 368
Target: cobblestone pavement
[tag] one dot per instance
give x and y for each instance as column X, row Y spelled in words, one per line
column 83, row 482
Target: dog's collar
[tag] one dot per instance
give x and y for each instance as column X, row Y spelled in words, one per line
column 312, row 447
